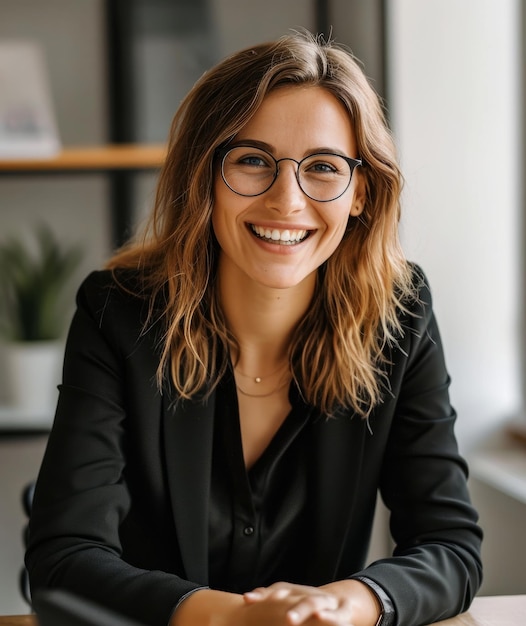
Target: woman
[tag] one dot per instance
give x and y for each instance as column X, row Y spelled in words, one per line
column 239, row 384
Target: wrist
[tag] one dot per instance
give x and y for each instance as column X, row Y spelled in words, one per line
column 366, row 608
column 207, row 607
column 387, row 617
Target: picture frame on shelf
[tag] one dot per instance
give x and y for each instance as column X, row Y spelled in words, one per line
column 28, row 127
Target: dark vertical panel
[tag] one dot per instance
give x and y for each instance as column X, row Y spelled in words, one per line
column 383, row 46
column 322, row 17
column 174, row 43
column 119, row 32
column 133, row 88
column 121, row 113
column 362, row 27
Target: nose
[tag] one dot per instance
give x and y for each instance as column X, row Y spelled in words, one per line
column 286, row 195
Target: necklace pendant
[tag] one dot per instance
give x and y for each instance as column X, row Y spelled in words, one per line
column 257, row 379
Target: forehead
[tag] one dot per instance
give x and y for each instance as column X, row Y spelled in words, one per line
column 301, row 118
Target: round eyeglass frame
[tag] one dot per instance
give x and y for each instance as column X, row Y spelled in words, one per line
column 222, row 153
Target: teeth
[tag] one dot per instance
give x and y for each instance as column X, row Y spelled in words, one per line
column 283, row 236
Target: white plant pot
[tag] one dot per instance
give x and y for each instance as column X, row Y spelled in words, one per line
column 33, row 373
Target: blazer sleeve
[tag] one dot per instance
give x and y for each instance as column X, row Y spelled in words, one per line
column 435, row 570
column 82, row 497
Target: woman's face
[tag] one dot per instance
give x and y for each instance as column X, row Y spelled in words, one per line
column 293, row 122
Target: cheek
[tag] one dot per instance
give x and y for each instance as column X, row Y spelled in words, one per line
column 337, row 226
column 225, row 217
column 337, row 218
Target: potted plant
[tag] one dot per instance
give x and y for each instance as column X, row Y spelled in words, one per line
column 33, row 314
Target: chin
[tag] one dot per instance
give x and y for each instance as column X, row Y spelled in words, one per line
column 285, row 282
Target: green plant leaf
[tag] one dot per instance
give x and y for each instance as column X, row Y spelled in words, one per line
column 33, row 286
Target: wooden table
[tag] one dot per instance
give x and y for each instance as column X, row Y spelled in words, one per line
column 17, row 620
column 490, row 611
column 485, row 611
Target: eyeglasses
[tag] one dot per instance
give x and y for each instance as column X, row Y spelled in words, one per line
column 250, row 171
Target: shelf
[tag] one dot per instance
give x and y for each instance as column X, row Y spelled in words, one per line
column 503, row 467
column 13, row 420
column 91, row 158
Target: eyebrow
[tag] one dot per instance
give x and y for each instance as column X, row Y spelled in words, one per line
column 256, row 143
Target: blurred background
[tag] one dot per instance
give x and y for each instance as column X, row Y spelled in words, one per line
column 451, row 75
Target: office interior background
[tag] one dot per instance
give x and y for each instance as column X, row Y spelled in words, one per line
column 451, row 72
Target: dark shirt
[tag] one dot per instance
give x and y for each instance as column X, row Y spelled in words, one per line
column 260, row 527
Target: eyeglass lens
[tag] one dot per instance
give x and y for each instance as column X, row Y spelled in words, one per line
column 250, row 171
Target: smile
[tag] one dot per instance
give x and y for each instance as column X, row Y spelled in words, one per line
column 281, row 237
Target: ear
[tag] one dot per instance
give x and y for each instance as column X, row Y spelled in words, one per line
column 359, row 195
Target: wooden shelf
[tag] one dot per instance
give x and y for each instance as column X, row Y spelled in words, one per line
column 91, row 158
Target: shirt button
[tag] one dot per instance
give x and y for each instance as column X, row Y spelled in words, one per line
column 248, row 530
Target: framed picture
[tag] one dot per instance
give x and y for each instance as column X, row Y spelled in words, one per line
column 27, row 122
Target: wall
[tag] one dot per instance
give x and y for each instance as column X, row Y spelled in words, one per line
column 455, row 84
column 454, row 76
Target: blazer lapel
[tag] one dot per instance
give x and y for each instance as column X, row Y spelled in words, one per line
column 339, row 452
column 188, row 432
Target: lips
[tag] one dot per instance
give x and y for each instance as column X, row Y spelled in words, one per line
column 285, row 237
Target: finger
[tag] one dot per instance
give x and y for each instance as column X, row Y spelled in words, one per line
column 277, row 591
column 310, row 606
column 265, row 593
column 255, row 595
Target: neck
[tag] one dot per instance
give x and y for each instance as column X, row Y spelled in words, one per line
column 261, row 318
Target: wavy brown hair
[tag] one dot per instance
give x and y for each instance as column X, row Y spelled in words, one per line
column 337, row 351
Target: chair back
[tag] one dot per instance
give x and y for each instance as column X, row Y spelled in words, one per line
column 27, row 503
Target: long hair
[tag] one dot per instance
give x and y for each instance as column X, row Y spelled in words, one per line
column 337, row 351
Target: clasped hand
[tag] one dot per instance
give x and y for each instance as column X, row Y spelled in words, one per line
column 300, row 604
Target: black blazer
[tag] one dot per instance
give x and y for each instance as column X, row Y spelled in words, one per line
column 120, row 509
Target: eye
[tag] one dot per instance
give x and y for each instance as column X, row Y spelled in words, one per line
column 247, row 157
column 324, row 166
column 253, row 160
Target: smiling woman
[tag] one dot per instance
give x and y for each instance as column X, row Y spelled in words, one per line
column 299, row 371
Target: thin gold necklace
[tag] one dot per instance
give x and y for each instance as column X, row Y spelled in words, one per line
column 262, row 395
column 259, row 379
